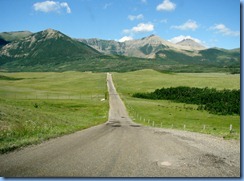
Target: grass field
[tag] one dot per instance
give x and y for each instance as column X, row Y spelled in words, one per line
column 39, row 106
column 169, row 114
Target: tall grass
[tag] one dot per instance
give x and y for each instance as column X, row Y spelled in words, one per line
column 31, row 111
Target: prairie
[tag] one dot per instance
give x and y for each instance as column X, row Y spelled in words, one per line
column 169, row 114
column 39, row 106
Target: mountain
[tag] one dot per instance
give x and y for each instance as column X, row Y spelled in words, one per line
column 51, row 50
column 45, row 46
column 191, row 43
column 105, row 46
column 146, row 47
column 15, row 35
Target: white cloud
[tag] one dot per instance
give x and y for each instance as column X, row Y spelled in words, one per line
column 65, row 5
column 182, row 37
column 125, row 38
column 140, row 28
column 51, row 6
column 189, row 25
column 136, row 17
column 143, row 27
column 166, row 5
column 222, row 29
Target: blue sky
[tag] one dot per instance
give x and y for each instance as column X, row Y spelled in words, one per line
column 213, row 23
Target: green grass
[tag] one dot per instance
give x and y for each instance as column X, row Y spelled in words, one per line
column 175, row 115
column 40, row 106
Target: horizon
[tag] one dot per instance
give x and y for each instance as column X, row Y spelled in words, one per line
column 209, row 23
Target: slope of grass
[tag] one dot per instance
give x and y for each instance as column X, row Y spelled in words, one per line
column 41, row 106
column 169, row 114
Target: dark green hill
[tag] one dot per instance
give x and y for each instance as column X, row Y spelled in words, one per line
column 15, row 35
column 45, row 47
column 221, row 56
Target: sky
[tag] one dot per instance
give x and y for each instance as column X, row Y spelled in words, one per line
column 213, row 23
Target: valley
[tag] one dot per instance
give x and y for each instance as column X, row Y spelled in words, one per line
column 129, row 88
column 53, row 86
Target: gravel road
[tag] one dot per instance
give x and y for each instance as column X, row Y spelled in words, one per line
column 122, row 148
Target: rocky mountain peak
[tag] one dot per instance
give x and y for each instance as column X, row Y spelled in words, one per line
column 51, row 33
column 191, row 43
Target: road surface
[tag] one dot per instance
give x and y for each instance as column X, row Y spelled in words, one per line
column 122, row 148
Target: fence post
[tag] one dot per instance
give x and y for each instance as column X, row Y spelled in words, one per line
column 230, row 127
column 161, row 125
column 184, row 126
column 204, row 127
column 153, row 123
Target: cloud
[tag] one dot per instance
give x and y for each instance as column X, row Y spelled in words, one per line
column 166, row 5
column 189, row 25
column 51, row 6
column 136, row 17
column 222, row 29
column 182, row 37
column 140, row 28
column 125, row 38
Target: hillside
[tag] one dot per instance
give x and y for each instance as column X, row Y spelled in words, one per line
column 15, row 35
column 3, row 42
column 105, row 46
column 49, row 46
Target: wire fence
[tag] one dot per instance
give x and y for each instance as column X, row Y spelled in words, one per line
column 203, row 128
column 50, row 96
column 222, row 130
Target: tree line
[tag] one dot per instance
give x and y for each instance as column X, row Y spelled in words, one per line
column 224, row 102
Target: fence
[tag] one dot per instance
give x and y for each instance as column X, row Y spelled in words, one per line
column 204, row 128
column 220, row 130
column 49, row 96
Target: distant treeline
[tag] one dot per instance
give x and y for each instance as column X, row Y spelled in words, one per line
column 215, row 101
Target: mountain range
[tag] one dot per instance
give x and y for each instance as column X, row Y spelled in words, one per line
column 52, row 50
column 143, row 48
